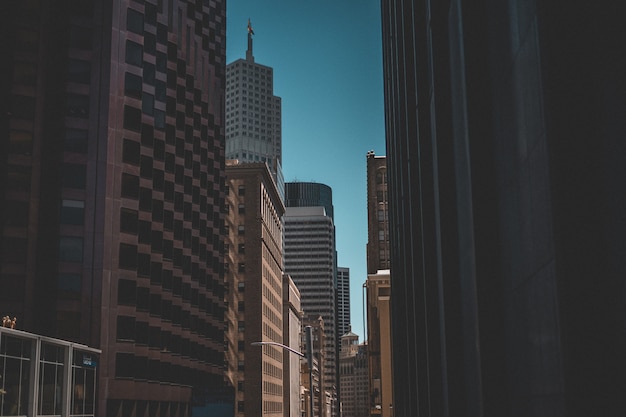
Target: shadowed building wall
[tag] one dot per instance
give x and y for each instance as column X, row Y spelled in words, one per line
column 506, row 161
column 111, row 191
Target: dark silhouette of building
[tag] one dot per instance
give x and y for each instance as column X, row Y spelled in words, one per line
column 112, row 188
column 507, row 166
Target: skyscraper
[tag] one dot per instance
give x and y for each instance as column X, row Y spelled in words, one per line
column 310, row 260
column 506, row 155
column 253, row 113
column 111, row 191
column 343, row 300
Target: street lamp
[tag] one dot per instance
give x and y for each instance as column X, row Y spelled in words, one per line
column 308, row 356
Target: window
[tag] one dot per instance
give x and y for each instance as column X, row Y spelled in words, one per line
column 134, row 53
column 130, row 186
column 130, row 152
column 132, row 118
column 241, row 267
column 242, row 188
column 132, row 85
column 70, row 249
column 242, row 208
column 381, row 235
column 77, row 106
column 242, row 248
column 129, row 221
column 134, row 21
column 69, row 283
column 128, row 256
column 75, row 140
column 126, row 328
column 74, row 176
column 79, row 71
column 241, row 229
column 72, row 212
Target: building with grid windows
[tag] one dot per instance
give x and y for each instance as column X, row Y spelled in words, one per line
column 310, row 261
column 254, row 276
column 343, row 300
column 111, row 191
column 253, row 114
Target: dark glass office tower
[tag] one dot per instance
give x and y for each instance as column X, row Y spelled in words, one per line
column 507, row 167
column 111, row 190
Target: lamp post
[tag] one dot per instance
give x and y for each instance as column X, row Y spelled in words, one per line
column 308, row 356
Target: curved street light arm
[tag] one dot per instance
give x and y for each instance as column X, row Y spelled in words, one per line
column 279, row 345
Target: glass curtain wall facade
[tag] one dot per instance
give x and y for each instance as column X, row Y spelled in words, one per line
column 46, row 377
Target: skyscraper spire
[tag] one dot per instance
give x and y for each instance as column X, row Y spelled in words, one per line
column 249, row 56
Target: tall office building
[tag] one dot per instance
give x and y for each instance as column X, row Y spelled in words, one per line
column 343, row 300
column 378, row 286
column 111, row 190
column 310, row 260
column 255, row 273
column 253, row 114
column 506, row 160
column 310, row 194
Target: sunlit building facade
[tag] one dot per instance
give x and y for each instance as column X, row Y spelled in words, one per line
column 254, row 272
column 310, row 261
column 253, row 114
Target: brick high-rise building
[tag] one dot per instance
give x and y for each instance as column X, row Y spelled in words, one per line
column 255, row 273
column 111, row 191
column 377, row 214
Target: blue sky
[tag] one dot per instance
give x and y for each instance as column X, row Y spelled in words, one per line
column 326, row 56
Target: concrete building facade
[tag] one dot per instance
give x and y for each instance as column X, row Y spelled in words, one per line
column 255, row 272
column 310, row 260
column 111, row 191
column 253, row 113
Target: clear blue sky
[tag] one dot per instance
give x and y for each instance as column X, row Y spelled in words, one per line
column 326, row 56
